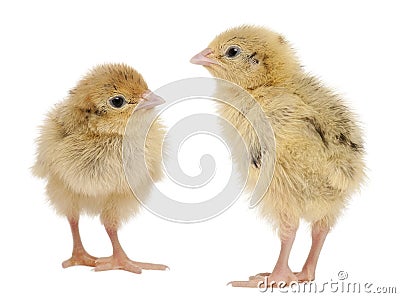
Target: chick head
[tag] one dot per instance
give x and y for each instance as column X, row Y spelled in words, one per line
column 249, row 56
column 107, row 96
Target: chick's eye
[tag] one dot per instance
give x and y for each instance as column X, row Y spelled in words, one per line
column 233, row 51
column 117, row 101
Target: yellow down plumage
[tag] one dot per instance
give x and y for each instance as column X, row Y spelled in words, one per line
column 80, row 155
column 319, row 146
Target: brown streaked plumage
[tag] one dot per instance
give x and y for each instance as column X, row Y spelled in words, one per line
column 80, row 155
column 319, row 147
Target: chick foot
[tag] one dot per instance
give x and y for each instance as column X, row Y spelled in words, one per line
column 302, row 276
column 274, row 279
column 282, row 277
column 81, row 258
column 124, row 263
column 79, row 255
column 120, row 261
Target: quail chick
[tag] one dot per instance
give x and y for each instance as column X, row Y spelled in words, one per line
column 319, row 147
column 80, row 155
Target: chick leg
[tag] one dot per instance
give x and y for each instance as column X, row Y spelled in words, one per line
column 119, row 259
column 318, row 235
column 281, row 273
column 79, row 254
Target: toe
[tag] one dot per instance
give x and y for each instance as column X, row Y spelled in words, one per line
column 132, row 268
column 103, row 264
column 68, row 263
column 80, row 260
column 111, row 263
column 150, row 266
column 255, row 283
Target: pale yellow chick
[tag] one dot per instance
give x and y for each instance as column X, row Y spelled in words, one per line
column 319, row 148
column 80, row 156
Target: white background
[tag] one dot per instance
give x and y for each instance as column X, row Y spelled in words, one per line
column 46, row 46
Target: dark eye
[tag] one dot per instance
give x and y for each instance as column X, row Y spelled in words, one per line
column 117, row 101
column 233, row 51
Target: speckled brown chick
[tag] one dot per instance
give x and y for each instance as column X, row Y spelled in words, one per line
column 319, row 148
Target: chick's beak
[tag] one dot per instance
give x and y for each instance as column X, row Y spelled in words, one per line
column 149, row 101
column 202, row 59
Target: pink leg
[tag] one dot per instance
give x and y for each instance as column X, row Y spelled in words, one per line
column 318, row 238
column 119, row 259
column 281, row 273
column 79, row 254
